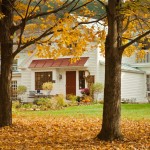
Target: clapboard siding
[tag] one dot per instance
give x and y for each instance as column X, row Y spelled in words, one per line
column 129, row 60
column 133, row 86
column 26, row 78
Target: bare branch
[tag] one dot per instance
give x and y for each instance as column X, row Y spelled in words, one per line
column 35, row 7
column 27, row 9
column 23, row 25
column 81, row 6
column 74, row 6
column 89, row 22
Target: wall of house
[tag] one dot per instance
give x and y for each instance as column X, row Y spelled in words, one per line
column 133, row 86
column 146, row 69
column 17, row 78
column 129, row 60
column 93, row 61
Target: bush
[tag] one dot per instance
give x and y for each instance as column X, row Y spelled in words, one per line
column 21, row 89
column 43, row 103
column 47, row 86
column 60, row 101
column 16, row 104
column 85, row 91
column 96, row 88
column 87, row 99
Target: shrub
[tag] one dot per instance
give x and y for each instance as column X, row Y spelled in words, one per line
column 16, row 104
column 21, row 89
column 60, row 100
column 87, row 99
column 27, row 106
column 47, row 86
column 43, row 103
column 96, row 88
column 85, row 91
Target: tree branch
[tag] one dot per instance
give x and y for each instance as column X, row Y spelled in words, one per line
column 15, row 28
column 94, row 21
column 81, row 6
column 135, row 40
column 74, row 5
column 102, row 4
column 35, row 7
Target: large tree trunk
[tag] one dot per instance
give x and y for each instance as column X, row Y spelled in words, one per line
column 6, row 63
column 112, row 92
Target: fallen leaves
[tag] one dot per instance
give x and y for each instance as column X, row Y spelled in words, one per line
column 70, row 133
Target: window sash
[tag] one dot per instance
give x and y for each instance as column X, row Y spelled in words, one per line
column 148, row 82
column 42, row 77
column 14, row 90
column 81, row 79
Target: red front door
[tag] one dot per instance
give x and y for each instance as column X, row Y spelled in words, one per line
column 71, row 82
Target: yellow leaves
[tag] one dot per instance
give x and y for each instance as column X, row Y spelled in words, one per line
column 16, row 18
column 51, row 133
column 22, row 7
column 27, row 39
column 31, row 27
column 140, row 55
column 66, row 40
column 86, row 12
column 30, row 52
column 2, row 15
column 129, row 50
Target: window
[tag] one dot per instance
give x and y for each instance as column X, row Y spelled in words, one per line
column 15, row 65
column 146, row 59
column 81, row 79
column 148, row 82
column 42, row 77
column 14, row 90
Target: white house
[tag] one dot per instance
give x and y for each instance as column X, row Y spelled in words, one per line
column 69, row 78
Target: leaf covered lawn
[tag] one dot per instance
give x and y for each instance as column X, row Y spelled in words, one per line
column 70, row 133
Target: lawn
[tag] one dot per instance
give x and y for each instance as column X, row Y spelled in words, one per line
column 130, row 111
column 75, row 128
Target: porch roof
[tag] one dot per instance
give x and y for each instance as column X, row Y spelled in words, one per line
column 60, row 62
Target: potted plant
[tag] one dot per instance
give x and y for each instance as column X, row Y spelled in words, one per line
column 48, row 86
column 21, row 91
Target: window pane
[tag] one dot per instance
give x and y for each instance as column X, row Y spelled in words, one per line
column 42, row 77
column 81, row 79
column 15, row 65
column 14, row 90
column 148, row 82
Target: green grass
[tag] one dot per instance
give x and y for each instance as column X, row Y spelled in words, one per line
column 131, row 111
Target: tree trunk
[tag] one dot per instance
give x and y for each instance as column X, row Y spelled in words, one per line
column 6, row 63
column 112, row 92
column 5, row 87
column 112, row 99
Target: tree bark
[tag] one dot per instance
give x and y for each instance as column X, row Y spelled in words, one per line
column 6, row 63
column 112, row 91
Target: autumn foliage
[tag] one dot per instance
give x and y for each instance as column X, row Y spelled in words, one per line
column 70, row 133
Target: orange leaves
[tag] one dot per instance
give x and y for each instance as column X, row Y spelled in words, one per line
column 129, row 50
column 67, row 39
column 2, row 16
column 70, row 133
